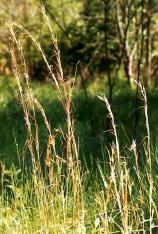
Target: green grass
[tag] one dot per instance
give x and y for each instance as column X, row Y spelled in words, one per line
column 90, row 120
column 95, row 189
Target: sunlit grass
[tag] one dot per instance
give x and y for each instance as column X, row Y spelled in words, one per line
column 52, row 189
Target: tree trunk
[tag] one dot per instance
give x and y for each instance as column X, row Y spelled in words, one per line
column 147, row 74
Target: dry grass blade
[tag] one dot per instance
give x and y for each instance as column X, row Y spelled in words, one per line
column 105, row 100
column 148, row 152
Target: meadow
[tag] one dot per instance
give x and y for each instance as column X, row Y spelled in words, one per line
column 98, row 192
column 71, row 160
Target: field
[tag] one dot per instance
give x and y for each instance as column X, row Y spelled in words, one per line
column 78, row 117
column 108, row 188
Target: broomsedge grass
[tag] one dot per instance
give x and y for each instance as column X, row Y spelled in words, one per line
column 60, row 196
